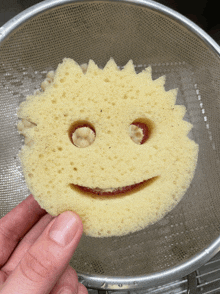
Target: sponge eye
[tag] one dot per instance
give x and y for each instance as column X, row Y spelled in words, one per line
column 139, row 132
column 82, row 134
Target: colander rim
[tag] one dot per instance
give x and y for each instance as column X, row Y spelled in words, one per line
column 183, row 269
column 151, row 280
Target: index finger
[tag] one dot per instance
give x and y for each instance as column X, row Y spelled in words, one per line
column 15, row 224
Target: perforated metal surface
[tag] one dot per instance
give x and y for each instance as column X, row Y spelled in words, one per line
column 99, row 30
column 205, row 280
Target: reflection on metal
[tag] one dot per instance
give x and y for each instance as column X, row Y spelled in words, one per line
column 205, row 280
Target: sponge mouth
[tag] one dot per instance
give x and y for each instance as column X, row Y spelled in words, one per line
column 114, row 192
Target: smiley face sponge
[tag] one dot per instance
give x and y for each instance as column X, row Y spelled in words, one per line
column 150, row 178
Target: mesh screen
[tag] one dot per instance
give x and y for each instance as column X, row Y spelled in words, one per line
column 98, row 31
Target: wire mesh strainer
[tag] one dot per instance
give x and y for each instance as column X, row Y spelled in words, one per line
column 38, row 39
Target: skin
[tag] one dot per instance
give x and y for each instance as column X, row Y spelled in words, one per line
column 35, row 250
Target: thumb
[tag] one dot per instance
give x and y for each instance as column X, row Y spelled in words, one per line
column 46, row 260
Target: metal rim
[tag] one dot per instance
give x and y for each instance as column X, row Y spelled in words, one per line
column 166, row 276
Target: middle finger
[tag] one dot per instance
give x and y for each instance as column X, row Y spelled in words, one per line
column 28, row 240
column 68, row 281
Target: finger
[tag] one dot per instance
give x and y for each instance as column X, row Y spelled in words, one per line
column 15, row 224
column 26, row 243
column 22, row 248
column 67, row 282
column 82, row 289
column 47, row 259
column 3, row 278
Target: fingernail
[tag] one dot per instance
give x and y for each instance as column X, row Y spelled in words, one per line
column 64, row 228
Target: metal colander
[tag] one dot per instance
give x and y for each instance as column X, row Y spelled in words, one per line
column 151, row 34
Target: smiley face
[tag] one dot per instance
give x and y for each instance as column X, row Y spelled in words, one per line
column 109, row 144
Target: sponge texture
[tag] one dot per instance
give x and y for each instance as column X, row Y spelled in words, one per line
column 109, row 100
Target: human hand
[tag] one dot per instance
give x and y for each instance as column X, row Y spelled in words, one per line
column 35, row 250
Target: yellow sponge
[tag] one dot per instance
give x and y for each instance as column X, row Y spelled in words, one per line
column 101, row 105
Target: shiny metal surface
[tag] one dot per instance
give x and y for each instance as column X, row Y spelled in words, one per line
column 150, row 34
